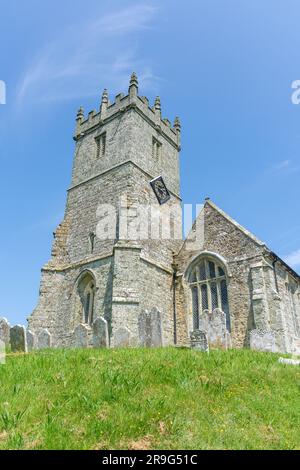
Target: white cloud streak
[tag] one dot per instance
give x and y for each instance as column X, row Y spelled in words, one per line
column 88, row 55
column 293, row 259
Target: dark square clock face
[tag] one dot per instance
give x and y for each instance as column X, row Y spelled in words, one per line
column 160, row 190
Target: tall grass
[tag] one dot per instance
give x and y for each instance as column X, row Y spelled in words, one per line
column 154, row 399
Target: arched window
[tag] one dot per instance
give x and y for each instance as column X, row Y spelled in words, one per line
column 88, row 306
column 209, row 288
column 86, row 290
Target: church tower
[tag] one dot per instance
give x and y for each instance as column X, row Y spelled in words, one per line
column 112, row 254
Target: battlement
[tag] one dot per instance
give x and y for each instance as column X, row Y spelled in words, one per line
column 123, row 103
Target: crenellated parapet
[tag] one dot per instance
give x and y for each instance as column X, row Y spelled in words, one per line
column 123, row 103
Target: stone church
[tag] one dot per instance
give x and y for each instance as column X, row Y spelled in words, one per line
column 146, row 284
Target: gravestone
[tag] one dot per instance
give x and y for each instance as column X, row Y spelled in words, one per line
column 262, row 340
column 150, row 328
column 214, row 325
column 81, row 336
column 18, row 339
column 31, row 340
column 122, row 337
column 2, row 352
column 44, row 339
column 292, row 362
column 100, row 333
column 199, row 340
column 144, row 328
column 156, row 328
column 4, row 331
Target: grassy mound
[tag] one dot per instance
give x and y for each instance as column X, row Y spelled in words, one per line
column 148, row 399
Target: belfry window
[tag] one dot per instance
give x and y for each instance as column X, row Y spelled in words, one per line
column 209, row 289
column 101, row 145
column 156, row 150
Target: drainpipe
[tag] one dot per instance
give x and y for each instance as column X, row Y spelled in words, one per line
column 175, row 268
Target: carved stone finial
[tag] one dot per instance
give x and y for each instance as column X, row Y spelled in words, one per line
column 80, row 113
column 177, row 125
column 157, row 104
column 104, row 97
column 134, row 80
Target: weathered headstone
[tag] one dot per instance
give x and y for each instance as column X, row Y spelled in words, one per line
column 144, row 328
column 81, row 336
column 199, row 340
column 214, row 325
column 122, row 337
column 263, row 340
column 4, row 331
column 44, row 339
column 2, row 352
column 18, row 339
column 100, row 333
column 156, row 328
column 150, row 328
column 31, row 340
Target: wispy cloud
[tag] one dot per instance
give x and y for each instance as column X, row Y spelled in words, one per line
column 284, row 167
column 293, row 259
column 88, row 55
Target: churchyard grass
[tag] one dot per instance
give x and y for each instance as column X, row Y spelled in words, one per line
column 148, row 399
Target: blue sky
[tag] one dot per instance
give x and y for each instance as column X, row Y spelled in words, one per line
column 225, row 67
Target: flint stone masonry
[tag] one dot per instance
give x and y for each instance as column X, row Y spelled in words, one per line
column 44, row 339
column 100, row 333
column 18, row 340
column 119, row 150
column 31, row 340
column 199, row 340
column 263, row 340
column 150, row 328
column 81, row 336
column 4, row 331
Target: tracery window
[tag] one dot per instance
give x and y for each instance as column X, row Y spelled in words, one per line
column 208, row 283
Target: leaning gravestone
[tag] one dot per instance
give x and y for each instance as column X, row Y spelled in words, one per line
column 31, row 340
column 100, row 333
column 263, row 340
column 44, row 339
column 199, row 340
column 18, row 339
column 122, row 337
column 4, row 331
column 81, row 336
